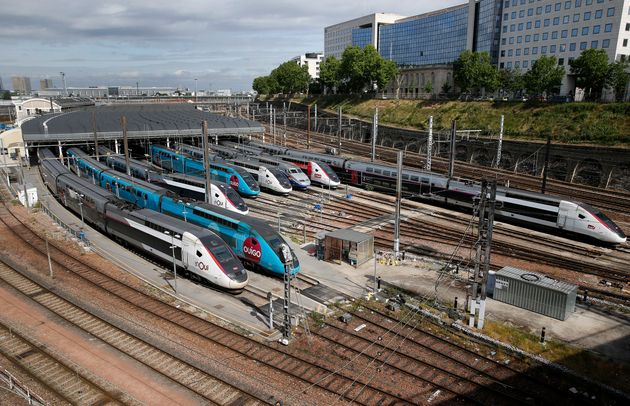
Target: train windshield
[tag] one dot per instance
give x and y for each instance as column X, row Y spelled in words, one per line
column 604, row 219
column 331, row 174
column 225, row 256
column 275, row 241
column 281, row 176
column 235, row 198
column 247, row 177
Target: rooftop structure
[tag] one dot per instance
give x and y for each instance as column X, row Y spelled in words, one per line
column 143, row 121
column 39, row 106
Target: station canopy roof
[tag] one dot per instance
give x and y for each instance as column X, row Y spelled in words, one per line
column 143, row 121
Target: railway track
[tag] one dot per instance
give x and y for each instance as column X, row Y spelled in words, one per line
column 516, row 381
column 612, row 200
column 161, row 361
column 67, row 381
column 309, row 378
column 533, row 247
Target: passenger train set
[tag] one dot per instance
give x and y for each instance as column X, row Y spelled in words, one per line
column 253, row 241
column 186, row 186
column 199, row 252
column 527, row 208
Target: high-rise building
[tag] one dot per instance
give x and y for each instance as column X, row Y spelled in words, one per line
column 514, row 32
column 1, row 88
column 45, row 84
column 312, row 61
column 21, row 85
column 360, row 31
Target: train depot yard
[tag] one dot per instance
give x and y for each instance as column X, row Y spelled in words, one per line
column 127, row 283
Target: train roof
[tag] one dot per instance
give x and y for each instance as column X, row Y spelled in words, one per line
column 143, row 121
column 177, row 225
column 259, row 225
column 171, row 150
column 106, row 169
column 269, row 146
column 329, row 159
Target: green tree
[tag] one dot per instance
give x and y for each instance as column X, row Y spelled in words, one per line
column 291, row 77
column 351, row 70
column 6, row 95
column 329, row 73
column 545, row 76
column 591, row 72
column 446, row 87
column 377, row 72
column 511, row 80
column 472, row 71
column 265, row 85
column 618, row 78
column 428, row 87
column 364, row 68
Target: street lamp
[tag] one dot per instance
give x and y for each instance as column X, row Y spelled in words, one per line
column 172, row 247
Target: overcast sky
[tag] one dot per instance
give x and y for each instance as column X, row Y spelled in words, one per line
column 225, row 44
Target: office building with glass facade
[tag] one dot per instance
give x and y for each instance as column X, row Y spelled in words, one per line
column 361, row 31
column 514, row 32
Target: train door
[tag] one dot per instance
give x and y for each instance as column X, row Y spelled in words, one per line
column 563, row 212
column 354, row 178
column 188, row 252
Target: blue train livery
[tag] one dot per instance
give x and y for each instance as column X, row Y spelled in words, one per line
column 254, row 242
column 238, row 178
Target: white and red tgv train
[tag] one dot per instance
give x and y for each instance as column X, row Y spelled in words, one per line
column 317, row 171
column 513, row 205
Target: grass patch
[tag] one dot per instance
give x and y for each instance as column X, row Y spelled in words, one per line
column 574, row 123
column 582, row 361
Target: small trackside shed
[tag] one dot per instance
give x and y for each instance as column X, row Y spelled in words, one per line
column 535, row 292
column 348, row 246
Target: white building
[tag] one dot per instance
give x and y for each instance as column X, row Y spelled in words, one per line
column 37, row 106
column 96, row 92
column 563, row 29
column 312, row 60
column 364, row 29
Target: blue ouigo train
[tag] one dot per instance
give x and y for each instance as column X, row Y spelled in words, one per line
column 222, row 194
column 177, row 161
column 201, row 254
column 257, row 244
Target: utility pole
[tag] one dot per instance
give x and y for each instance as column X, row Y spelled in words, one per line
column 451, row 154
column 26, row 202
column 339, row 133
column 483, row 251
column 374, row 133
column 500, row 142
column 95, row 134
column 429, row 144
column 315, row 117
column 308, row 127
column 63, row 80
column 398, row 199
column 206, row 161
column 123, row 122
column 284, row 123
column 546, row 167
column 287, row 259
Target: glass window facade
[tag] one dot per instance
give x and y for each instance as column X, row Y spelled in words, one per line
column 362, row 37
column 434, row 39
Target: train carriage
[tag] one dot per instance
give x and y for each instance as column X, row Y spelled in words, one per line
column 199, row 253
column 317, row 171
column 236, row 177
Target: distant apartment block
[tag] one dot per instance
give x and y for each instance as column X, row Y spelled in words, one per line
column 21, row 85
column 312, row 61
column 45, row 84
